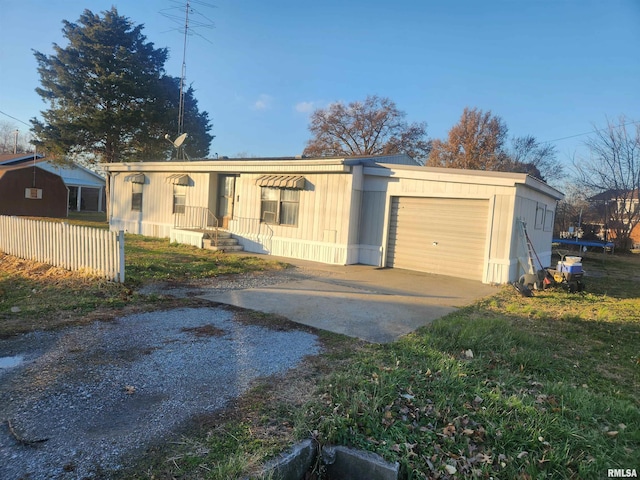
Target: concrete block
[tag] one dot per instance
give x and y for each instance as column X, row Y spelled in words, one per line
column 293, row 464
column 349, row 464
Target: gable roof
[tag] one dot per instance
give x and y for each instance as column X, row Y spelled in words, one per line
column 18, row 158
column 614, row 194
column 22, row 166
column 75, row 174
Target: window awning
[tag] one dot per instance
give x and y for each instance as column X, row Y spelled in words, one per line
column 281, row 181
column 178, row 179
column 135, row 178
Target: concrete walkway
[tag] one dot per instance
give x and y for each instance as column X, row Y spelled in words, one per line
column 374, row 304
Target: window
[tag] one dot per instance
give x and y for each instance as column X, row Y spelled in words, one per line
column 179, row 198
column 548, row 221
column 540, row 210
column 136, row 197
column 279, row 205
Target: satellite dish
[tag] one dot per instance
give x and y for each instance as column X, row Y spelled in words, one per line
column 178, row 141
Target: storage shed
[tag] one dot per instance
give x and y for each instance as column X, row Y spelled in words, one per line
column 86, row 187
column 385, row 211
column 29, row 190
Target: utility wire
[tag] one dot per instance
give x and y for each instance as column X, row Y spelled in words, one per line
column 592, row 131
column 14, row 118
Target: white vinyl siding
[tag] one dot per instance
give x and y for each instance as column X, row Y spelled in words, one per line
column 343, row 213
column 445, row 236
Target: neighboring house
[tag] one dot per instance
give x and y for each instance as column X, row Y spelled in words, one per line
column 86, row 188
column 29, row 190
column 383, row 211
column 615, row 206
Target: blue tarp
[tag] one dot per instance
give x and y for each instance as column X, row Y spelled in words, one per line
column 583, row 243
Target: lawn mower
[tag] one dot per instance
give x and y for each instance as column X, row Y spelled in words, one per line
column 567, row 274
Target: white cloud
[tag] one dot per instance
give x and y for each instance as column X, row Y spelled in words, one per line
column 264, row 102
column 305, row 107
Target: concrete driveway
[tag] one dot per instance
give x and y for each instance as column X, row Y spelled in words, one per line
column 375, row 304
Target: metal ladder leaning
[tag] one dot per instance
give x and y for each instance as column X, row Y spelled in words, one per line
column 530, row 266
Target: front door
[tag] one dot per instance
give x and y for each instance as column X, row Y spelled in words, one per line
column 226, row 193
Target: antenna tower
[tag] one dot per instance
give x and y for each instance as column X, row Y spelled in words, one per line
column 205, row 23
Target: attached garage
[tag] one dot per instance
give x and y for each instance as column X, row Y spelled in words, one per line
column 446, row 236
column 460, row 223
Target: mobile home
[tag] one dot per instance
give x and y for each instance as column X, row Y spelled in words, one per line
column 385, row 211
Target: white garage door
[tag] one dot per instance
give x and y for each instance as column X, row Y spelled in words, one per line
column 445, row 236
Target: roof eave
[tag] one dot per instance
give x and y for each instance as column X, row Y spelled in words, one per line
column 237, row 166
column 463, row 176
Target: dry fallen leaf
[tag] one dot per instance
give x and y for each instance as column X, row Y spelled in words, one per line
column 483, row 458
column 450, row 469
column 129, row 389
column 449, row 430
column 612, row 433
column 523, row 454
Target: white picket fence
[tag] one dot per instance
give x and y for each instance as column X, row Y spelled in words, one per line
column 73, row 247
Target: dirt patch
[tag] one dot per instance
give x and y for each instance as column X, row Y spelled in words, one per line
column 207, row 330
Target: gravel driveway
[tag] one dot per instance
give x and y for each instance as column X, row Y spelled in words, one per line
column 87, row 396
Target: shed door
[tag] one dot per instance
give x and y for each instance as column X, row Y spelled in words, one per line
column 446, row 236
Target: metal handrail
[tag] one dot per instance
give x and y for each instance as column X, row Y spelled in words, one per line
column 198, row 218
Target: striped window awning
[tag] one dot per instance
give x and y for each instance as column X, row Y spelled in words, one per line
column 178, row 179
column 281, row 181
column 136, row 178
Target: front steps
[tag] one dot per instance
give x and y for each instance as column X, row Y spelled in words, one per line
column 226, row 243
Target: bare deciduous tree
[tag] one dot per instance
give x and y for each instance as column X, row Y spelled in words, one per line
column 527, row 155
column 612, row 174
column 373, row 127
column 11, row 141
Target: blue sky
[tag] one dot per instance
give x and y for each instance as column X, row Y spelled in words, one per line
column 549, row 68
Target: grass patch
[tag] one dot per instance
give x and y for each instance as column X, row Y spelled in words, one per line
column 36, row 296
column 154, row 259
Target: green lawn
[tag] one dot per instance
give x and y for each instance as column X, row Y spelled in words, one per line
column 509, row 387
